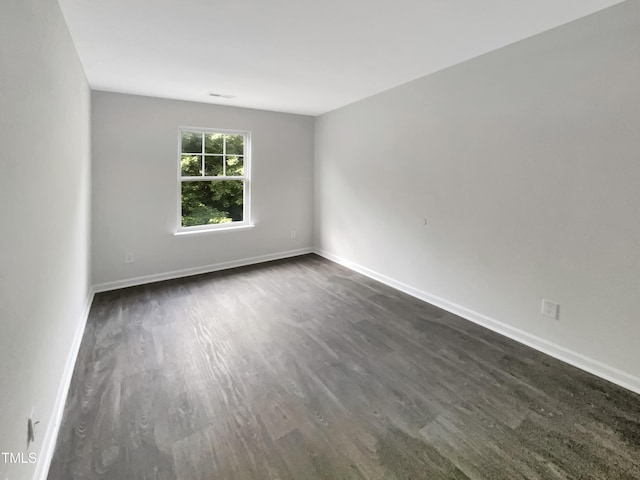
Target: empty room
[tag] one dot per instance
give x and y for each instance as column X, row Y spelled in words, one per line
column 305, row 240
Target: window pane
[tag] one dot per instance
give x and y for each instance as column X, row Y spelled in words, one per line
column 206, row 203
column 213, row 143
column 234, row 166
column 191, row 165
column 235, row 145
column 212, row 166
column 191, row 142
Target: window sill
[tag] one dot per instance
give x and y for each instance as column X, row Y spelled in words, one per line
column 202, row 231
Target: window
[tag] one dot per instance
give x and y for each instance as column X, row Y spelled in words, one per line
column 214, row 179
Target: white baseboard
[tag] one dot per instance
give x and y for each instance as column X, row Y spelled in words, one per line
column 187, row 272
column 612, row 374
column 51, row 434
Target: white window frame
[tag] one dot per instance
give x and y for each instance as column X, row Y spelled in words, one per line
column 246, row 178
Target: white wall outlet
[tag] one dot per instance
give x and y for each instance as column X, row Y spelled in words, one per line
column 293, row 234
column 129, row 257
column 32, row 422
column 550, row 309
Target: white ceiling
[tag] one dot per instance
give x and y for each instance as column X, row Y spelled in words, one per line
column 299, row 56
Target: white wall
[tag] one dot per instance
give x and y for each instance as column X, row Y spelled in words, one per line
column 526, row 164
column 135, row 186
column 44, row 214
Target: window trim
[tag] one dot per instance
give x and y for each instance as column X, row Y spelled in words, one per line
column 246, row 178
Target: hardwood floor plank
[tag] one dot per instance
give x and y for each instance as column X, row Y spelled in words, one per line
column 303, row 369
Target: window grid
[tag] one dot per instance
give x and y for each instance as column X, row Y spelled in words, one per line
column 241, row 175
column 203, row 162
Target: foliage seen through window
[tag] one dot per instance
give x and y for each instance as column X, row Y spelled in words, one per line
column 212, row 170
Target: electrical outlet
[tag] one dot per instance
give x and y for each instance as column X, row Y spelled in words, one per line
column 32, row 422
column 129, row 257
column 550, row 309
column 31, row 433
column 293, row 234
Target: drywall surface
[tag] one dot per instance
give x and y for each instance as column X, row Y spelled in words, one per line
column 525, row 165
column 135, row 186
column 44, row 213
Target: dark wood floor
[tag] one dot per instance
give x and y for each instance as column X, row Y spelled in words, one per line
column 302, row 369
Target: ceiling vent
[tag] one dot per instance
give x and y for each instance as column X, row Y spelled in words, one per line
column 221, row 95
